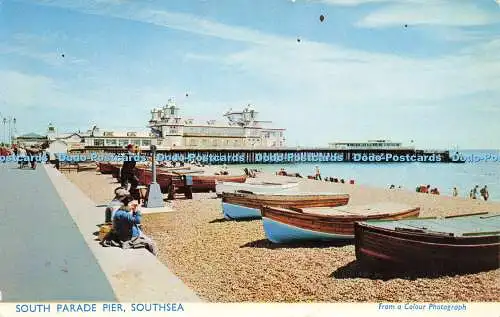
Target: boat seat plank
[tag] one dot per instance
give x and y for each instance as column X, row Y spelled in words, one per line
column 360, row 210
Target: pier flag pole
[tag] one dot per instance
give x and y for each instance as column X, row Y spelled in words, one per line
column 155, row 197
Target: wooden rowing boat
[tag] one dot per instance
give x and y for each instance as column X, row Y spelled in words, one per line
column 116, row 170
column 105, row 167
column 238, row 205
column 469, row 242
column 86, row 166
column 326, row 223
column 261, row 187
column 201, row 182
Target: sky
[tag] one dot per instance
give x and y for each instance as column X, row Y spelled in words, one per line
column 422, row 70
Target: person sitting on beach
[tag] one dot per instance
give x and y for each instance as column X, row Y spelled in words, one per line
column 342, row 181
column 224, row 170
column 126, row 231
column 435, row 191
column 425, row 189
column 484, row 192
column 392, row 186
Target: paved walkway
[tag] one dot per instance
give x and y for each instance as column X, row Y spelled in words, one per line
column 43, row 255
column 134, row 275
column 48, row 251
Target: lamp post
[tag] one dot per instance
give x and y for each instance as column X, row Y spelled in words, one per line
column 10, row 131
column 4, row 131
column 155, row 197
column 13, row 130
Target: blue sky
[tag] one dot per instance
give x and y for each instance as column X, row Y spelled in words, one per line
column 360, row 74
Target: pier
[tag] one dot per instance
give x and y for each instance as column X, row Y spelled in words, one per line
column 287, row 155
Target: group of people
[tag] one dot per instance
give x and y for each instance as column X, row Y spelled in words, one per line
column 283, row 172
column 428, row 190
column 474, row 191
column 28, row 152
column 334, row 180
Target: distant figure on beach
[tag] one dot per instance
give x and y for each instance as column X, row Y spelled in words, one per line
column 484, row 192
column 224, row 170
column 318, row 173
column 126, row 231
column 435, row 191
column 342, row 181
column 424, row 189
column 249, row 173
column 282, row 172
column 473, row 192
column 455, row 192
column 392, row 186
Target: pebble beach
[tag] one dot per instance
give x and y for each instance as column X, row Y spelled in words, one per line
column 232, row 261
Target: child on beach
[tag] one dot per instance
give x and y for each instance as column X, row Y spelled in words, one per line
column 473, row 192
column 318, row 173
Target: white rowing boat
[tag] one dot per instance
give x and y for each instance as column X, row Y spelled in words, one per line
column 259, row 187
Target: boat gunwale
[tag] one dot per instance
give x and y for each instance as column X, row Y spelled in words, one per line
column 421, row 237
column 290, row 196
column 334, row 218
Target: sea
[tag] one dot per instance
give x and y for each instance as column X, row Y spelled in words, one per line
column 482, row 167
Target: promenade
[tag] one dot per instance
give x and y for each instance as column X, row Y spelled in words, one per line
column 43, row 254
column 49, row 251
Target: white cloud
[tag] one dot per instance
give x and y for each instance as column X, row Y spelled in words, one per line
column 31, row 46
column 438, row 12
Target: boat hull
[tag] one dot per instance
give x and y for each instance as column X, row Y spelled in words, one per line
column 278, row 232
column 285, row 225
column 105, row 167
column 302, row 200
column 201, row 183
column 232, row 211
column 382, row 248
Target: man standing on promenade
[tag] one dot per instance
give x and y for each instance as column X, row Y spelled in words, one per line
column 127, row 172
column 484, row 192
